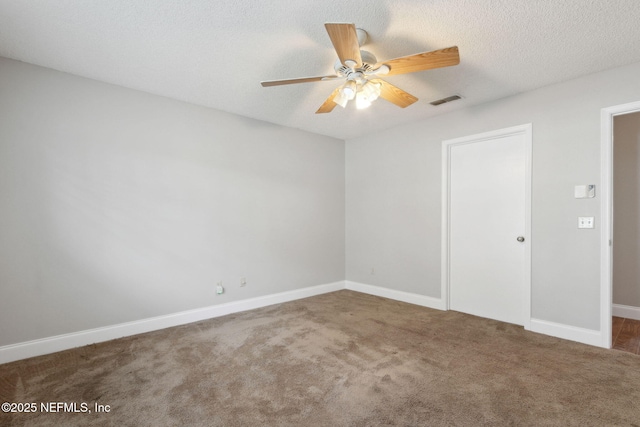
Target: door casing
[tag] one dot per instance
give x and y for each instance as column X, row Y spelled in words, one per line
column 606, row 213
column 526, row 131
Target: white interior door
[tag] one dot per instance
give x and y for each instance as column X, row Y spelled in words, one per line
column 488, row 224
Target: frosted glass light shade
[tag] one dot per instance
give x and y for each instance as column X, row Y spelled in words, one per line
column 362, row 101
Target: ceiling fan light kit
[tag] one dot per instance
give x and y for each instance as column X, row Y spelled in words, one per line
column 361, row 70
column 368, row 92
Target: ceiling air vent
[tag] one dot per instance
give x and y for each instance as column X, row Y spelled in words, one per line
column 445, row 100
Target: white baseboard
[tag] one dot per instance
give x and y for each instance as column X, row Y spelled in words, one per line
column 558, row 330
column 56, row 343
column 10, row 353
column 572, row 333
column 409, row 297
column 626, row 311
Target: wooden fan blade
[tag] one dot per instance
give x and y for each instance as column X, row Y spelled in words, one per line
column 328, row 104
column 345, row 42
column 394, row 94
column 299, row 80
column 422, row 61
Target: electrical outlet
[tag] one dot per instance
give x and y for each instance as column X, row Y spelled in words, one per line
column 219, row 288
column 585, row 222
column 243, row 281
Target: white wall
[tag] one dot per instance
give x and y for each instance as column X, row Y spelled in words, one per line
column 626, row 210
column 116, row 205
column 393, row 184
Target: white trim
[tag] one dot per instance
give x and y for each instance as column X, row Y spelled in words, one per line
column 626, row 311
column 573, row 333
column 606, row 213
column 525, row 129
column 57, row 343
column 409, row 297
column 559, row 330
column 23, row 350
column 444, row 226
column 528, row 142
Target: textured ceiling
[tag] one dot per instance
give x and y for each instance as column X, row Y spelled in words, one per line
column 215, row 53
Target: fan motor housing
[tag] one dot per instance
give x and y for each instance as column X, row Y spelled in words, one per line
column 368, row 61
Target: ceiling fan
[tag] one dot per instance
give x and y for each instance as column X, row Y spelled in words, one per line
column 361, row 70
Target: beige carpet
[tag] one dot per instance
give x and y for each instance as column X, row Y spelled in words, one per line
column 340, row 359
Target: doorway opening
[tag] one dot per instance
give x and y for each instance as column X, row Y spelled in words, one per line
column 620, row 234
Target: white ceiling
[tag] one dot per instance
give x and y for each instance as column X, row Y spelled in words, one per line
column 215, row 53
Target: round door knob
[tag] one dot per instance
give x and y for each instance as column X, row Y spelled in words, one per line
column 520, row 239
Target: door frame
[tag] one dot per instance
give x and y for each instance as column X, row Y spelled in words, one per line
column 447, row 145
column 606, row 213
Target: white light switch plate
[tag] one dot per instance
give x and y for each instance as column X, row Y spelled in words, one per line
column 586, row 222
